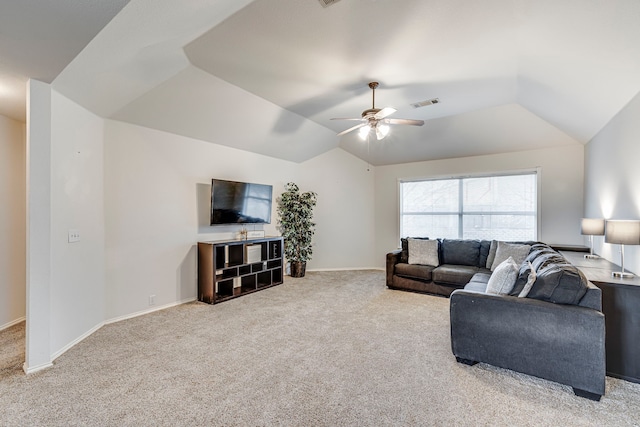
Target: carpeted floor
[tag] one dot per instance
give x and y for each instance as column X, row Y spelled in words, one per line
column 331, row 349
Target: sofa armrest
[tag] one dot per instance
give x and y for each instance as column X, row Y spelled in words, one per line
column 392, row 259
column 562, row 343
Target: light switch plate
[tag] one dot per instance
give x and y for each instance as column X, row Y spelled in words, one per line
column 74, row 236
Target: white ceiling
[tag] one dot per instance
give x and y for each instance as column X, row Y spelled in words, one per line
column 39, row 38
column 268, row 75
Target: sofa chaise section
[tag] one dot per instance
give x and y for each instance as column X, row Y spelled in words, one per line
column 564, row 343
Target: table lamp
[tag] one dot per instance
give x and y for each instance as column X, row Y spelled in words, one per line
column 622, row 233
column 592, row 227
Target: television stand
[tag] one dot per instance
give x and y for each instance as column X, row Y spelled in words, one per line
column 231, row 268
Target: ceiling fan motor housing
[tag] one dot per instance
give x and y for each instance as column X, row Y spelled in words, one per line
column 370, row 112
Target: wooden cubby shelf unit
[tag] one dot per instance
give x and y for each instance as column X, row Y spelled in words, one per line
column 231, row 268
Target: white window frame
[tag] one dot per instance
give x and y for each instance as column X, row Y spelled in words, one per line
column 532, row 171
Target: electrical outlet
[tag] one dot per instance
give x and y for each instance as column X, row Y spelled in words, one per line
column 152, row 300
column 74, row 236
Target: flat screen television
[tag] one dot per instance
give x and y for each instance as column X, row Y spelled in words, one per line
column 235, row 202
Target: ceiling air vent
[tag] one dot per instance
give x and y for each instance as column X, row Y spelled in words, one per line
column 425, row 103
column 327, row 3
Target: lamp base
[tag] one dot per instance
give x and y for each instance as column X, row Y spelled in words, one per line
column 622, row 275
column 594, row 256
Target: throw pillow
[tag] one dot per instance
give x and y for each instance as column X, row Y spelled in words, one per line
column 404, row 255
column 503, row 278
column 492, row 254
column 530, row 281
column 423, row 252
column 505, row 250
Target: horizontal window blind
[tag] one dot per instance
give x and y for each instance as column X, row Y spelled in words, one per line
column 499, row 207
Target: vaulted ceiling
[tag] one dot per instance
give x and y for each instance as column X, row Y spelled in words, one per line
column 268, row 75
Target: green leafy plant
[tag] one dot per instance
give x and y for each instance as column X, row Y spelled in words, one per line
column 295, row 215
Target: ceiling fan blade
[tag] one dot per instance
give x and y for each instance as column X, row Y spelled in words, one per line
column 352, row 128
column 404, row 122
column 387, row 111
column 340, row 118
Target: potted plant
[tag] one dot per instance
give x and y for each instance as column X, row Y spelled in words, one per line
column 295, row 214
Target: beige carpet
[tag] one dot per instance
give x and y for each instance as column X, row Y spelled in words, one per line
column 332, row 349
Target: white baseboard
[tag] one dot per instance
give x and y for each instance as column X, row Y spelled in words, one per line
column 347, row 269
column 64, row 349
column 54, row 356
column 12, row 323
column 147, row 311
column 40, row 367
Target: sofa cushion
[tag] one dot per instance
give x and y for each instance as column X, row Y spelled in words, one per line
column 476, row 286
column 485, row 246
column 454, row 274
column 481, row 277
column 423, row 252
column 460, row 252
column 503, row 278
column 414, row 271
column 505, row 250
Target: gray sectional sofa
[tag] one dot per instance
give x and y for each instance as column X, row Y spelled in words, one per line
column 555, row 332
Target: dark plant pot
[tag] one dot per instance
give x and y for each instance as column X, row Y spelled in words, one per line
column 298, row 268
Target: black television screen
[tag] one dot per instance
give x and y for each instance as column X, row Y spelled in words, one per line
column 235, row 202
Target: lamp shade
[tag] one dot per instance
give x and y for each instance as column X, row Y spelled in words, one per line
column 622, row 232
column 592, row 227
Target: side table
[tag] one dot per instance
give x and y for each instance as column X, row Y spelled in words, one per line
column 621, row 308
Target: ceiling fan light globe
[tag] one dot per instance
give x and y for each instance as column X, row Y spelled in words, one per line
column 364, row 131
column 384, row 129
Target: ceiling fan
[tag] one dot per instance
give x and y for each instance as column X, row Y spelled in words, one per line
column 376, row 118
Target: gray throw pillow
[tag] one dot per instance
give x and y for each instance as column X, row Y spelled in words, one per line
column 423, row 252
column 505, row 250
column 404, row 255
column 492, row 254
column 503, row 278
column 530, row 281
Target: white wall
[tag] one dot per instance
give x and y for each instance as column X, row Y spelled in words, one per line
column 157, row 189
column 38, row 272
column 77, row 269
column 611, row 179
column 345, row 232
column 561, row 190
column 12, row 222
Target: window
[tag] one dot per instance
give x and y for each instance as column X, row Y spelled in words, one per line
column 502, row 207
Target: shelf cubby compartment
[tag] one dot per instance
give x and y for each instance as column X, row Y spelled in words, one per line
column 248, row 283
column 264, row 279
column 220, row 259
column 274, row 263
column 259, row 266
column 224, row 288
column 244, row 269
column 276, row 275
column 275, row 249
column 228, row 272
column 235, row 254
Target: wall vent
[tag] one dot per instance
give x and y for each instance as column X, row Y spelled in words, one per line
column 327, row 3
column 425, row 103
